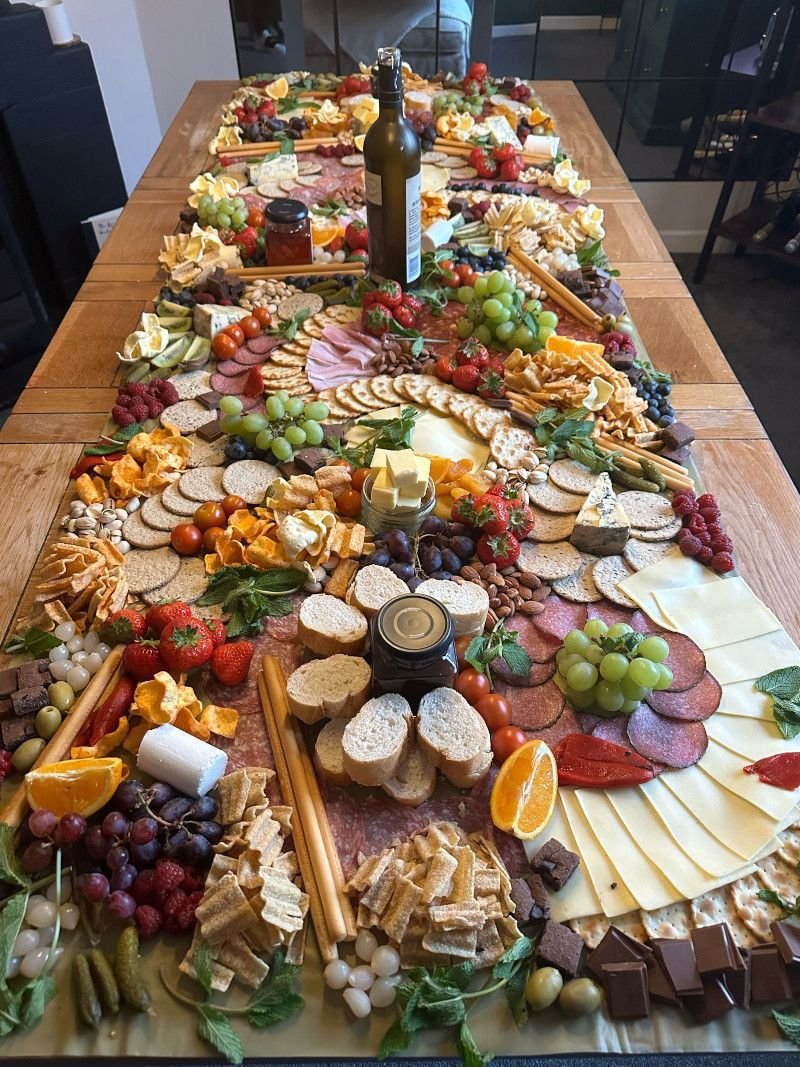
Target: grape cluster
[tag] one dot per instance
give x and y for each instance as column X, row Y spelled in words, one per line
column 496, row 313
column 494, row 259
column 657, row 394
column 439, row 550
column 224, row 214
column 184, row 297
column 266, row 128
column 334, row 151
column 288, row 423
column 451, row 100
column 427, row 137
column 607, row 670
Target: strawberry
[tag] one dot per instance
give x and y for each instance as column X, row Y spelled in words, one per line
column 122, row 627
column 390, row 294
column 231, row 662
column 502, row 549
column 143, row 660
column 253, row 383
column 492, row 514
column 491, row 386
column 267, row 107
column 443, row 368
column 404, row 316
column 186, row 645
column 413, row 302
column 521, row 519
column 486, row 167
column 466, row 378
column 476, row 155
column 247, row 240
column 510, row 170
column 502, row 152
column 216, row 627
column 473, row 352
column 471, row 87
column 356, row 234
column 376, row 320
column 160, row 615
column 478, row 72
column 463, row 510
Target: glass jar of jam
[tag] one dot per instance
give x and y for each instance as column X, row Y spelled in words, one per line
column 412, row 648
column 288, row 233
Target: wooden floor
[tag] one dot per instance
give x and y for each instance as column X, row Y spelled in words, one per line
column 71, row 390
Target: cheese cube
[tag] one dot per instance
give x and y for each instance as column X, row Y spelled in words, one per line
column 423, row 474
column 409, row 498
column 384, row 494
column 379, row 458
column 403, row 468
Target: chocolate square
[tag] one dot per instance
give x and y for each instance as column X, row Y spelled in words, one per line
column 787, row 938
column 6, row 707
column 523, row 900
column 555, row 863
column 714, row 949
column 616, row 947
column 677, row 959
column 769, row 981
column 17, row 729
column 659, row 986
column 678, row 435
column 715, row 1002
column 626, row 989
column 209, row 400
column 738, row 981
column 8, row 681
column 211, row 431
column 560, row 947
column 541, row 898
column 309, row 460
column 25, row 701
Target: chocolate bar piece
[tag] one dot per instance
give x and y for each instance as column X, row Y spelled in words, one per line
column 678, row 435
column 8, row 681
column 25, row 701
column 659, row 986
column 715, row 1002
column 677, row 455
column 309, row 460
column 209, row 400
column 677, row 959
column 738, row 981
column 541, row 898
column 211, row 431
column 17, row 729
column 560, row 947
column 626, row 989
column 769, row 981
column 6, row 708
column 714, row 949
column 555, row 863
column 616, row 947
column 523, row 900
column 522, row 419
column 34, row 673
column 787, row 938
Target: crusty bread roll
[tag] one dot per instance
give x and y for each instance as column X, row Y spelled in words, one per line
column 467, row 603
column 373, row 587
column 328, row 755
column 453, row 734
column 376, row 741
column 326, row 625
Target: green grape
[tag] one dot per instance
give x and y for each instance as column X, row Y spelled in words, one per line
column 533, row 306
column 654, row 648
column 595, row 628
column 562, row 652
column 223, row 220
column 509, row 285
column 463, row 328
column 548, row 318
column 577, row 641
column 504, row 330
column 569, row 661
column 275, row 408
column 282, row 394
column 474, row 313
column 492, row 308
column 481, row 286
column 506, row 299
column 205, row 204
column 439, row 102
column 614, row 666
column 294, row 406
column 491, row 325
column 594, row 654
column 316, row 411
column 495, row 281
column 519, row 296
column 254, row 423
column 231, row 424
column 580, row 701
column 264, row 439
column 484, row 334
column 561, row 682
column 619, row 629
column 664, row 677
column 230, row 405
column 582, row 676
column 281, row 449
column 631, row 690
column 314, row 432
column 523, row 336
column 629, row 706
column 543, row 333
column 239, row 218
column 226, row 205
column 644, row 672
column 239, row 204
column 295, row 435
column 250, row 438
column 609, row 696
column 503, row 317
column 465, row 294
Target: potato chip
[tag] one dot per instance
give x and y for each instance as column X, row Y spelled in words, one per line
column 135, row 735
column 233, row 790
column 157, row 700
column 220, row 721
column 185, row 721
column 91, row 490
column 105, row 746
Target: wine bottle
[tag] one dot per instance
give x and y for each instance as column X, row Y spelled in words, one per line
column 392, row 180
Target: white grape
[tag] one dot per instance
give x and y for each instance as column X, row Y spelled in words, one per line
column 43, row 914
column 70, row 916
column 336, row 974
column 27, row 941
column 386, row 961
column 366, row 944
column 384, row 991
column 65, row 631
column 361, row 977
column 358, row 1002
column 57, row 653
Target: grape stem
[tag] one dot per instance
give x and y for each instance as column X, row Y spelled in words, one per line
column 190, row 1001
column 40, row 883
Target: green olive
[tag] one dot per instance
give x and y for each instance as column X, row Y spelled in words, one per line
column 27, row 754
column 543, row 987
column 48, row 721
column 580, row 997
column 61, row 695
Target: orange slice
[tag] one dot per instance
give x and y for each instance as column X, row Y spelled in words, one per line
column 82, row 785
column 524, row 791
column 323, row 231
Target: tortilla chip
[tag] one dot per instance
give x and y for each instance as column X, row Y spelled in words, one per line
column 184, row 720
column 135, row 735
column 220, row 721
column 157, row 700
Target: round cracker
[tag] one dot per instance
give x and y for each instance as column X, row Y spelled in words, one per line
column 464, row 173
column 355, row 159
column 549, row 526
column 433, row 157
column 203, row 483
column 309, row 166
column 646, row 511
column 186, row 415
column 249, row 479
column 147, row 569
column 661, row 533
column 174, row 500
column 361, row 390
column 342, row 313
column 510, row 444
column 206, row 453
column 551, row 498
column 548, row 561
column 485, row 419
column 191, row 383
column 344, row 396
column 579, row 587
column 155, row 515
column 416, row 387
column 293, row 305
column 136, row 532
column 188, row 585
column 382, row 386
column 438, row 398
column 572, row 476
column 607, row 573
column 458, row 404
column 641, row 554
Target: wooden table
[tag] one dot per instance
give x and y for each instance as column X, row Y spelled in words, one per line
column 71, row 391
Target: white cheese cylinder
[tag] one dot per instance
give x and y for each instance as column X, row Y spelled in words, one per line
column 186, row 763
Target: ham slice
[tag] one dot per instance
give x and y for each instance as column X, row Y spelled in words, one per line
column 339, row 356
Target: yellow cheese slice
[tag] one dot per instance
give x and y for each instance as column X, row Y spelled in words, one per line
column 750, row 739
column 726, row 768
column 613, row 894
column 577, row 898
column 743, row 700
column 717, row 613
column 439, row 435
column 674, row 571
column 752, row 658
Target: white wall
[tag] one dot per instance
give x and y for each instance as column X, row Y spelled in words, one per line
column 682, row 211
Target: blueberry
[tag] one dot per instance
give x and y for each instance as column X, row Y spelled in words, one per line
column 652, row 412
column 666, row 420
column 235, row 450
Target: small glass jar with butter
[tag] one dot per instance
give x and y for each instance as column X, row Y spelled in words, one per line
column 381, row 516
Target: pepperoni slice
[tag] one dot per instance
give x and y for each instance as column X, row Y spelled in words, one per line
column 588, row 721
column 614, row 730
column 566, row 724
column 609, row 613
column 669, row 741
column 540, row 646
column 643, row 624
column 560, row 616
column 690, row 705
column 686, row 660
column 534, row 709
column 538, row 674
column 259, row 346
column 229, row 368
column 226, row 385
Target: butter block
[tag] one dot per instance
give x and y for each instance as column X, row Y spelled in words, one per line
column 402, row 466
column 384, row 494
column 601, row 526
column 380, row 456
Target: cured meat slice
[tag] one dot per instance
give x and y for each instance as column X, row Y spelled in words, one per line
column 690, row 705
column 560, row 616
column 536, row 708
column 686, row 660
column 566, row 724
column 259, row 346
column 614, row 730
column 347, row 825
column 609, row 613
column 538, row 673
column 283, row 627
column 387, row 823
column 541, row 647
column 250, row 747
column 643, row 624
column 226, row 385
column 229, row 368
column 588, row 721
column 669, row 741
column 249, row 402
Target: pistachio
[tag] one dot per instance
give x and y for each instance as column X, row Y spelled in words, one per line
column 123, row 546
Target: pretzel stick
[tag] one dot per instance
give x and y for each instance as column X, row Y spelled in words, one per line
column 559, row 293
column 635, row 450
column 244, row 151
column 297, row 270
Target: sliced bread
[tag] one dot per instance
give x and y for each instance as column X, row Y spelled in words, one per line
column 328, row 626
column 467, row 781
column 467, row 603
column 414, row 780
column 374, row 587
column 328, row 754
column 331, row 688
column 376, row 740
column 452, row 733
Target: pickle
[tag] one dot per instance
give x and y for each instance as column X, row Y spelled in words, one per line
column 86, row 999
column 631, row 481
column 105, row 982
column 126, row 970
column 653, row 472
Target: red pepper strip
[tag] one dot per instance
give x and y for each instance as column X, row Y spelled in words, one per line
column 592, row 763
column 781, row 770
column 88, row 463
column 106, row 716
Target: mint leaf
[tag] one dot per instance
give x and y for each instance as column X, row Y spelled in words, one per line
column 286, row 148
column 783, row 683
column 35, row 641
column 117, row 443
column 787, row 717
column 515, row 996
column 396, row 1039
column 35, row 998
column 522, row 949
column 468, row 1047
column 215, row 1028
column 203, row 966
column 10, row 870
column 789, row 1025
column 275, row 999
column 516, row 657
column 10, row 922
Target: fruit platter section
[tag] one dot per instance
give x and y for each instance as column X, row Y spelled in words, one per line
column 388, row 673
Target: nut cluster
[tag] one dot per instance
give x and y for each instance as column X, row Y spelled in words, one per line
column 103, row 520
column 532, row 471
column 395, row 358
column 510, row 591
column 352, row 197
column 265, row 293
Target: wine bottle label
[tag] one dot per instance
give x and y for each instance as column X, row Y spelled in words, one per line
column 376, row 222
column 372, row 188
column 413, row 226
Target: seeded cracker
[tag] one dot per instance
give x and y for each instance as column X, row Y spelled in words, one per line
column 551, row 498
column 206, row 453
column 641, row 554
column 647, row 511
column 548, row 561
column 174, row 500
column 662, row 533
column 550, row 527
column 607, row 573
column 139, row 534
column 309, row 166
column 188, row 585
column 155, row 515
column 579, row 587
column 571, row 476
column 191, row 383
column 146, row 569
column 249, row 479
column 293, row 305
column 509, row 445
column 354, row 160
column 186, row 416
column 202, row 484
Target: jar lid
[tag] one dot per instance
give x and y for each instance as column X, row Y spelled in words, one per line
column 416, row 626
column 284, row 210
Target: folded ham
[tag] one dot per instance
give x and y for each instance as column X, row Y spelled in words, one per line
column 339, row 356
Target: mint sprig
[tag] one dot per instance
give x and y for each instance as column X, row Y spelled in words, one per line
column 783, row 685
column 34, row 641
column 499, row 643
column 250, row 595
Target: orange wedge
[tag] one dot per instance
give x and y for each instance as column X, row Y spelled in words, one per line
column 524, row 791
column 324, row 230
column 82, row 785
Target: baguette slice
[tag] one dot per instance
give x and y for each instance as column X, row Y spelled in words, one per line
column 453, row 734
column 328, row 626
column 376, row 741
column 414, row 780
column 328, row 755
column 374, row 587
column 467, row 781
column 331, row 688
column 468, row 604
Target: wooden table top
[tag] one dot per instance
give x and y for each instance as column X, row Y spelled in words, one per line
column 71, row 391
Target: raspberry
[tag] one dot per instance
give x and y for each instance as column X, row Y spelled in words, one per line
column 614, row 342
column 143, row 889
column 710, row 514
column 169, row 394
column 722, row 544
column 169, row 876
column 715, row 529
column 179, row 909
column 683, row 506
column 689, row 544
column 705, row 555
column 722, row 562
column 138, row 409
column 154, row 407
column 123, row 400
column 193, row 880
column 123, row 418
column 6, row 765
column 697, row 525
column 137, row 389
column 708, row 500
column 148, row 920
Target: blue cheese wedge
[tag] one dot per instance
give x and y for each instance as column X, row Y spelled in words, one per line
column 601, row 526
column 209, row 319
column 273, row 170
column 501, row 131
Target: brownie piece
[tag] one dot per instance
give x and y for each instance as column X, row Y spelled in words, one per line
column 555, row 863
column 17, row 729
column 8, row 681
column 678, row 435
column 626, row 989
column 25, row 701
column 309, row 460
column 677, row 455
column 6, row 708
column 523, row 900
column 541, row 898
column 560, row 947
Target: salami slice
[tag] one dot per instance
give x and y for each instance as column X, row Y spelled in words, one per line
column 614, row 730
column 283, row 628
column 245, row 358
column 686, row 660
column 609, row 613
column 259, row 346
column 643, row 624
column 228, row 386
column 566, row 724
column 346, row 821
column 541, row 647
column 534, row 709
column 675, row 743
column 249, row 402
column 690, row 705
column 387, row 823
column 560, row 616
column 538, row 674
column 588, row 721
column 229, row 368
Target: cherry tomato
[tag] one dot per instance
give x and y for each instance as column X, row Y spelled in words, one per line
column 251, row 326
column 450, row 279
column 255, row 217
column 263, row 315
column 471, row 684
column 359, row 477
column 236, row 332
column 343, row 463
column 446, row 264
column 505, row 741
column 465, row 273
column 494, row 710
column 349, row 503
column 233, row 503
column 187, row 539
column 224, row 346
column 208, row 515
column 462, row 644
column 211, row 536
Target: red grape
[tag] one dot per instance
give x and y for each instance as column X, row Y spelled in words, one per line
column 42, row 823
column 37, row 856
column 124, row 877
column 147, row 854
column 96, row 845
column 115, row 825
column 71, row 828
column 117, row 857
column 129, row 794
column 121, row 904
column 94, row 887
column 143, row 830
